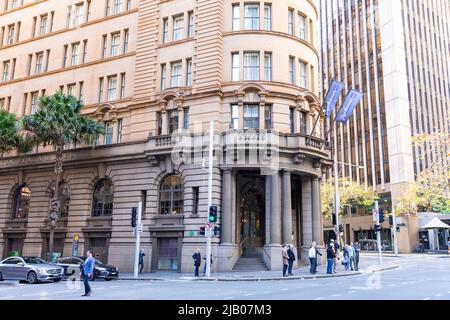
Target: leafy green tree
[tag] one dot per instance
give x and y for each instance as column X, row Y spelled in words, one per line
column 57, row 123
column 11, row 135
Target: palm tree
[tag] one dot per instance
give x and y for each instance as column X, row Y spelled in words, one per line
column 58, row 122
column 11, row 135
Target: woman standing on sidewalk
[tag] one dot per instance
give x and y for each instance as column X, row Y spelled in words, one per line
column 331, row 254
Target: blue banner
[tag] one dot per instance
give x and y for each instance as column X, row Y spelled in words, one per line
column 351, row 101
column 334, row 92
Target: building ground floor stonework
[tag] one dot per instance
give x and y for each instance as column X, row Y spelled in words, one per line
column 259, row 208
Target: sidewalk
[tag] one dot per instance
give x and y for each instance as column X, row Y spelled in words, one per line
column 302, row 272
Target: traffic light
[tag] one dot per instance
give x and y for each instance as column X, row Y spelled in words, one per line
column 334, row 219
column 341, row 228
column 377, row 228
column 391, row 219
column 398, row 229
column 202, row 231
column 381, row 213
column 134, row 217
column 217, row 231
column 212, row 214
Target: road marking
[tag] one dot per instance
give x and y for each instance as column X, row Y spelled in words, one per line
column 427, row 299
column 439, row 295
column 113, row 287
column 318, row 298
column 229, row 298
column 141, row 284
column 249, row 294
column 336, row 295
column 10, row 297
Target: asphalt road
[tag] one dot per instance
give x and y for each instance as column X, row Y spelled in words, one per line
column 417, row 278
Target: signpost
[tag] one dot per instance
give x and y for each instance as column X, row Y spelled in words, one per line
column 76, row 238
column 208, row 234
column 138, row 231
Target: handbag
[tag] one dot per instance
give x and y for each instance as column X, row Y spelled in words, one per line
column 345, row 261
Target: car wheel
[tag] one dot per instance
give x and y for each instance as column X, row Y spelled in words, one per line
column 1, row 276
column 32, row 277
column 108, row 279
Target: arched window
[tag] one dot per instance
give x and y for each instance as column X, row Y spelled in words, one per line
column 171, row 195
column 102, row 199
column 21, row 202
column 64, row 198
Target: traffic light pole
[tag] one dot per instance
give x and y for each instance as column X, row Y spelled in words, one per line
column 378, row 234
column 210, row 180
column 394, row 231
column 138, row 240
column 337, row 200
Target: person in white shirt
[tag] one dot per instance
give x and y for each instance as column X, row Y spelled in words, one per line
column 313, row 252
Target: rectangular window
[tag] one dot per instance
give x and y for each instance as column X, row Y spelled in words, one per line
column 119, row 130
column 115, row 44
column 88, row 11
column 109, row 130
column 69, row 16
column 251, row 16
column 302, row 75
column 75, row 54
column 267, row 17
column 13, row 68
column 236, row 17
column 33, row 28
column 176, row 74
column 34, row 101
column 118, row 6
column 13, row 4
column 52, row 16
column 189, row 73
column 128, row 5
column 163, row 77
column 79, row 8
column 43, row 25
column 66, row 48
column 235, row 66
column 104, row 44
column 173, row 121
column 191, row 24
column 195, row 199
column 165, row 30
column 292, row 119
column 251, row 116
column 108, row 7
column 71, row 89
column 6, row 67
column 186, row 118
column 30, row 59
column 112, row 88
column 84, row 51
column 126, row 36
column 81, row 92
column 178, row 25
column 291, row 22
column 303, row 126
column 39, row 62
column 301, row 27
column 100, row 89
column 122, row 85
column 291, row 70
column 11, row 34
column 251, row 66
column 159, row 123
column 268, row 66
column 2, row 104
column 235, row 116
column 268, row 117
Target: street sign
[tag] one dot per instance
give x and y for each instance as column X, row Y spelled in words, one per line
column 76, row 238
column 140, row 228
column 375, row 215
column 208, row 233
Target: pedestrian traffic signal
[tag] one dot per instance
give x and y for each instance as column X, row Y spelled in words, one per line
column 391, row 219
column 377, row 228
column 202, row 231
column 341, row 228
column 398, row 229
column 381, row 213
column 212, row 214
column 134, row 217
column 217, row 231
column 333, row 219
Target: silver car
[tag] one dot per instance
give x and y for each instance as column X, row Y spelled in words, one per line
column 31, row 269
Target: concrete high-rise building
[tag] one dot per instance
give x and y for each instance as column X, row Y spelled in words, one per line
column 396, row 52
column 155, row 73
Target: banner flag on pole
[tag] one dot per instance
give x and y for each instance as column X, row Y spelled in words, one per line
column 351, row 101
column 334, row 92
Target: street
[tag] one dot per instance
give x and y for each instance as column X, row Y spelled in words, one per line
column 419, row 277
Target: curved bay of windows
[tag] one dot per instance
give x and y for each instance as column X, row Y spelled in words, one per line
column 171, row 195
column 103, row 198
column 21, row 202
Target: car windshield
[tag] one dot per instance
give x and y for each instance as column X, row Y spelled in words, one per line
column 34, row 260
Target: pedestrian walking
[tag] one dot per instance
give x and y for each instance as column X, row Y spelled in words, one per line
column 330, row 258
column 357, row 248
column 141, row 260
column 313, row 252
column 197, row 261
column 204, row 267
column 291, row 259
column 285, row 258
column 352, row 256
column 88, row 273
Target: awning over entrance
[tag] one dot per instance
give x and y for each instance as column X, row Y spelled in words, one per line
column 436, row 223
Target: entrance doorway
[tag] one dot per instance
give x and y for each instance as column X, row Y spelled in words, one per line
column 99, row 247
column 168, row 254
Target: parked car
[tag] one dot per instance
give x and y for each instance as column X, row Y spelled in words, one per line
column 31, row 269
column 73, row 265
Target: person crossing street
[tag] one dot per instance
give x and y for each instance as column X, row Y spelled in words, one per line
column 88, row 273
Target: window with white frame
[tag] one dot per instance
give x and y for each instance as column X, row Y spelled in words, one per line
column 301, row 27
column 100, row 89
column 303, row 81
column 81, row 92
column 104, row 46
column 267, row 17
column 251, row 16
column 236, row 17
column 188, row 72
column 2, row 104
column 109, row 131
column 75, row 54
column 11, row 34
column 119, row 130
column 303, row 125
column 118, row 6
column 39, row 62
column 191, row 24
column 251, row 66
column 173, row 120
column 251, row 116
column 163, row 77
column 291, row 22
column 291, row 70
column 115, row 44
column 268, row 117
column 71, row 89
column 43, row 25
column 34, row 101
column 79, row 10
column 292, row 119
column 122, row 85
column 234, row 116
column 268, row 66
column 178, row 25
column 112, row 88
column 6, row 67
column 235, row 66
column 186, row 119
column 84, row 51
column 176, row 74
column 128, row 5
column 165, row 30
column 14, row 4
column 126, row 36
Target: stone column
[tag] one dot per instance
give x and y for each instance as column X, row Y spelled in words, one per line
column 227, row 231
column 275, row 208
column 306, row 219
column 316, row 219
column 287, row 208
column 268, row 208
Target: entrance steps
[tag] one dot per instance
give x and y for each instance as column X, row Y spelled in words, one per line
column 251, row 260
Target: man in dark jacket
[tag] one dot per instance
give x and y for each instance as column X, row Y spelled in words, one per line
column 331, row 254
column 197, row 261
column 357, row 248
column 291, row 259
column 141, row 260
